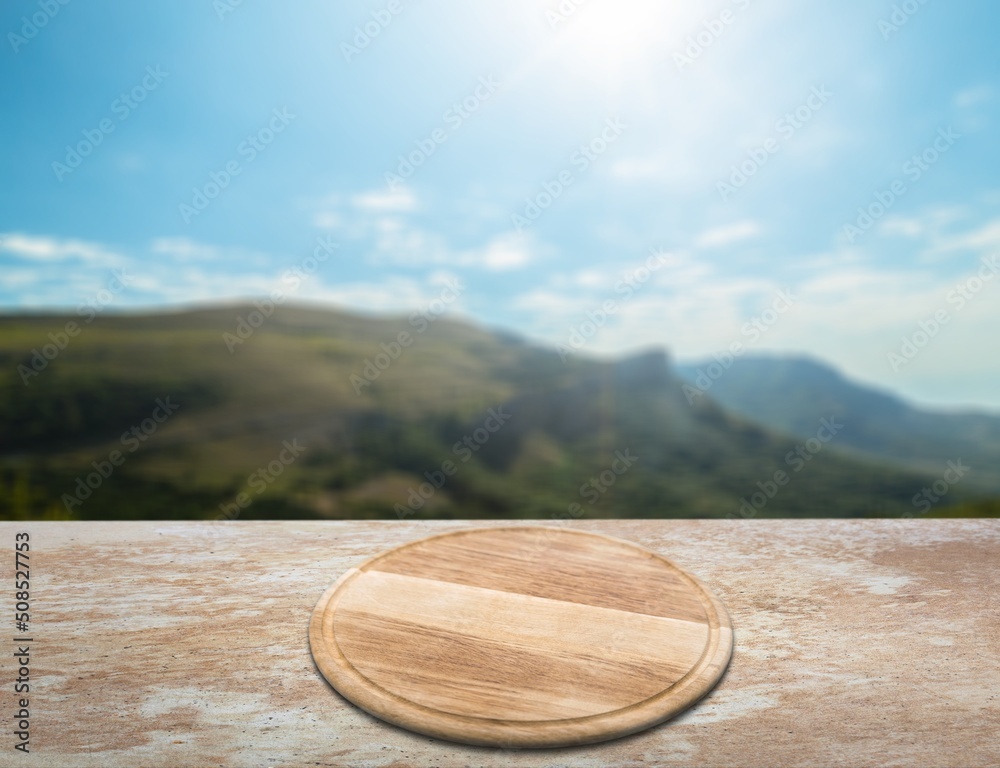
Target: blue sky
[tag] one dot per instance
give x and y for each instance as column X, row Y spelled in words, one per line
column 556, row 150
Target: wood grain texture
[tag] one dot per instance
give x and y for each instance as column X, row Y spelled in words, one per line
column 181, row 643
column 521, row 637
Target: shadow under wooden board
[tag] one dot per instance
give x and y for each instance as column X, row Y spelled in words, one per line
column 525, row 636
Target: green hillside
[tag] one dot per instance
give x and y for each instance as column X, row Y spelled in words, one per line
column 790, row 394
column 319, row 413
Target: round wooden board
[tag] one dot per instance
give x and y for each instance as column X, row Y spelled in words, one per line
column 524, row 636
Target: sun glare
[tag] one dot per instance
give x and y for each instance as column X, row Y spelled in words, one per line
column 611, row 39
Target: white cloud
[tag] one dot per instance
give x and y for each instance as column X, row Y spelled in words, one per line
column 986, row 237
column 327, row 220
column 728, row 234
column 50, row 249
column 848, row 255
column 672, row 167
column 401, row 199
column 382, row 218
column 843, row 282
column 509, row 251
column 398, row 242
column 184, row 249
column 844, row 312
column 357, row 215
column 19, row 278
column 394, row 294
column 968, row 97
column 902, row 225
column 170, row 282
column 591, row 278
column 680, row 294
column 551, row 304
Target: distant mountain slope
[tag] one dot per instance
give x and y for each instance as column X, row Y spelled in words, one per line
column 790, row 394
column 314, row 413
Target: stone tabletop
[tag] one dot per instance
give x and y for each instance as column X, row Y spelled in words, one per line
column 867, row 642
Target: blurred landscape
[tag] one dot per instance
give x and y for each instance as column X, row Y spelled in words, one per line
column 507, row 259
column 222, row 412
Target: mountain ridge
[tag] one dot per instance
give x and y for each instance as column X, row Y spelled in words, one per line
column 367, row 450
column 786, row 393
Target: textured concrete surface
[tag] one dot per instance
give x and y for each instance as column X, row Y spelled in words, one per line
column 170, row 644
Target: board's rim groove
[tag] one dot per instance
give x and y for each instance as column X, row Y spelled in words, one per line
column 350, row 683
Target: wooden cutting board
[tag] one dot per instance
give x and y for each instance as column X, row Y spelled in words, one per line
column 521, row 637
